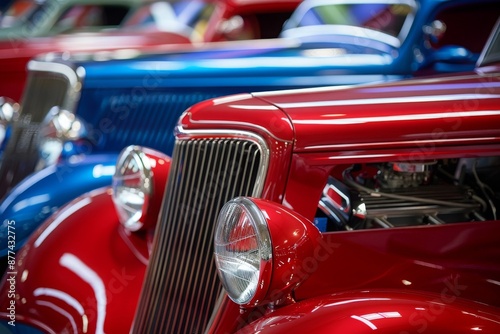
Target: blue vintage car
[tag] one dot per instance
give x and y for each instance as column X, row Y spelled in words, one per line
column 78, row 113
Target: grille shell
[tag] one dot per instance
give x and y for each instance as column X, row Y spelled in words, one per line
column 181, row 287
column 48, row 85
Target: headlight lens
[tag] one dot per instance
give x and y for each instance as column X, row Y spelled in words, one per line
column 132, row 187
column 243, row 250
column 58, row 127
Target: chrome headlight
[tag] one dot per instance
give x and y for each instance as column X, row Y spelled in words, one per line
column 264, row 250
column 132, row 187
column 243, row 250
column 58, row 127
column 8, row 113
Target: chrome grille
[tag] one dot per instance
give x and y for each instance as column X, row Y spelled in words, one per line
column 47, row 86
column 181, row 285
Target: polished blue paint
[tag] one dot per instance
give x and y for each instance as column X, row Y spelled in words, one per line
column 42, row 193
column 19, row 328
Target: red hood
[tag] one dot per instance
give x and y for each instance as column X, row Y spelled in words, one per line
column 462, row 109
column 10, row 49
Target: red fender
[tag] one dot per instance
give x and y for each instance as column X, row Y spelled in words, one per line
column 380, row 312
column 81, row 272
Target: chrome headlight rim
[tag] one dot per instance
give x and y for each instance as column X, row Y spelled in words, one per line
column 132, row 219
column 9, row 113
column 62, row 124
column 234, row 212
column 58, row 127
column 9, row 110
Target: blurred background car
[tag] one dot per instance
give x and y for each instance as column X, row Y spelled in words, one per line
column 146, row 24
column 348, row 210
column 30, row 18
column 156, row 25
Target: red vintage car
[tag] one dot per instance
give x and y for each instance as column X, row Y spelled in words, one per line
column 151, row 25
column 332, row 210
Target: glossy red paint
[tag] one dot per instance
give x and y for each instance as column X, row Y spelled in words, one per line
column 461, row 110
column 81, row 271
column 381, row 311
column 446, row 273
column 422, row 278
column 424, row 258
column 264, row 120
column 231, row 112
column 106, row 287
column 293, row 240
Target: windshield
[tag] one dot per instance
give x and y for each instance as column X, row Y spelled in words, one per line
column 392, row 18
column 168, row 15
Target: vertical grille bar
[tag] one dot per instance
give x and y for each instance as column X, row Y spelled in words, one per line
column 181, row 286
column 44, row 90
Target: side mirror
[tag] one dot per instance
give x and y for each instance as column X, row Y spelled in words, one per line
column 448, row 58
column 452, row 58
column 454, row 54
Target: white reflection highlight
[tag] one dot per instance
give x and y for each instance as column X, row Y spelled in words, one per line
column 27, row 183
column 24, row 275
column 60, row 311
column 427, row 264
column 61, row 296
column 356, row 301
column 68, row 211
column 253, row 107
column 404, row 142
column 391, row 100
column 381, row 315
column 404, row 117
column 493, row 281
column 132, row 247
column 366, row 322
column 332, row 52
column 101, row 170
column 360, row 156
column 85, row 323
column 367, row 318
column 230, row 98
column 89, row 276
column 30, row 201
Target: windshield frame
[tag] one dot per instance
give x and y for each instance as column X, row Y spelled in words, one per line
column 292, row 29
column 491, row 51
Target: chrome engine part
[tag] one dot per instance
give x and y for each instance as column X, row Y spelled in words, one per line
column 410, row 194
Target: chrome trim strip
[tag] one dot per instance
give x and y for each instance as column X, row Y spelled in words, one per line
column 67, row 71
column 75, row 78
